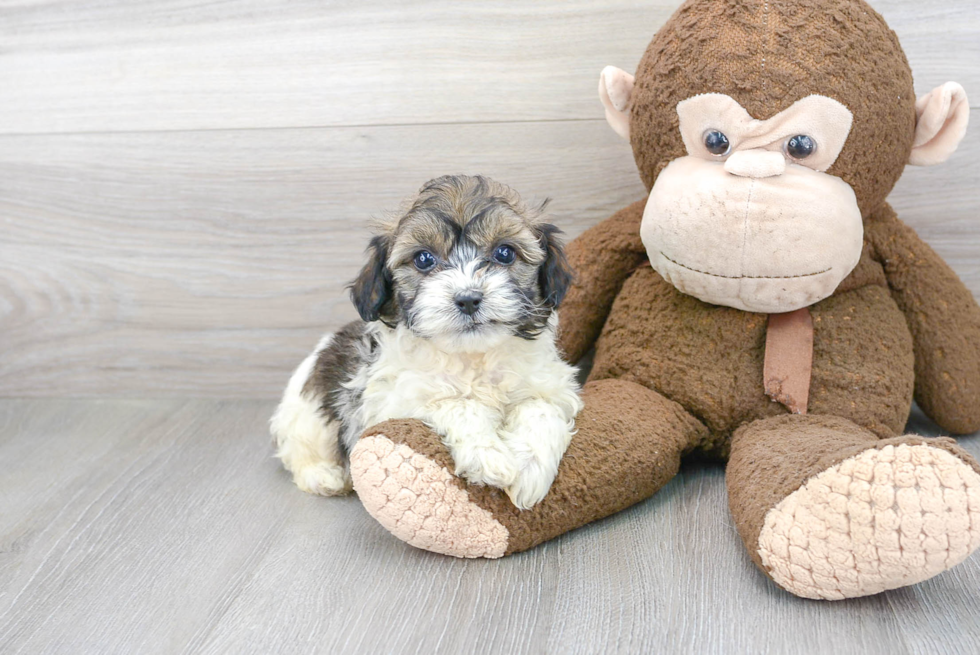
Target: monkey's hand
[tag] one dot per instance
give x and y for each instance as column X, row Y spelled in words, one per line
column 601, row 258
column 944, row 320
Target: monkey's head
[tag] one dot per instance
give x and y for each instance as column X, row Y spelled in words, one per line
column 766, row 131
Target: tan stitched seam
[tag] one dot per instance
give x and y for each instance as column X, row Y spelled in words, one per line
column 744, row 277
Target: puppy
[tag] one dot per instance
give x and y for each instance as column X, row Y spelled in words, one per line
column 458, row 301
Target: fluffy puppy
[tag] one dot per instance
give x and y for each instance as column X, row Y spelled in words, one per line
column 458, row 302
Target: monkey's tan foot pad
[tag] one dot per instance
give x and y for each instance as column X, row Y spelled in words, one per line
column 888, row 517
column 421, row 502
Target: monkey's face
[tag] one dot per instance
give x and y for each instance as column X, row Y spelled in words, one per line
column 765, row 215
column 749, row 219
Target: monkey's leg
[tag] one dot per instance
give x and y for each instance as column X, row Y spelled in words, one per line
column 827, row 510
column 628, row 445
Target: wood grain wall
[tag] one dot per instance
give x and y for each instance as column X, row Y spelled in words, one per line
column 185, row 186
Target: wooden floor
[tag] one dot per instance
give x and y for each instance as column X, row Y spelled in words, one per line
column 166, row 527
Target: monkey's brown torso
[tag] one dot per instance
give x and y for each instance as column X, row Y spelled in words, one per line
column 709, row 358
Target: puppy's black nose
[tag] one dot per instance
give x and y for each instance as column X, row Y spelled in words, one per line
column 468, row 301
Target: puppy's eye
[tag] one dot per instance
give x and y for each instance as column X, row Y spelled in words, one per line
column 800, row 146
column 424, row 260
column 504, row 255
column 716, row 142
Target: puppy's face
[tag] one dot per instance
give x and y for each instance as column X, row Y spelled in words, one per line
column 467, row 265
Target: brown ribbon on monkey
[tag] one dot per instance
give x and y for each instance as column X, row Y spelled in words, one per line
column 789, row 359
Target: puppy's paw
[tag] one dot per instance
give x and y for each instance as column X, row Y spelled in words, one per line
column 538, row 434
column 532, row 484
column 492, row 465
column 323, row 479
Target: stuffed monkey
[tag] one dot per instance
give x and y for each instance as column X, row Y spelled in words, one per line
column 764, row 305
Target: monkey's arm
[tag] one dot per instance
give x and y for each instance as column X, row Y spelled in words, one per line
column 944, row 320
column 602, row 258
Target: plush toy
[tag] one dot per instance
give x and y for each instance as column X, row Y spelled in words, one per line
column 763, row 305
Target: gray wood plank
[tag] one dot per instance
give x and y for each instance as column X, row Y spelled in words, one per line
column 161, row 520
column 208, row 263
column 183, row 64
column 40, row 474
column 174, row 531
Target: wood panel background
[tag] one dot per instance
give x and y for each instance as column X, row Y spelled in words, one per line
column 185, row 187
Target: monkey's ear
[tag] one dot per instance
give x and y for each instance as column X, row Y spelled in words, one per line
column 372, row 288
column 555, row 275
column 615, row 89
column 940, row 123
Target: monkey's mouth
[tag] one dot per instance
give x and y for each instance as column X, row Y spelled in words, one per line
column 745, row 277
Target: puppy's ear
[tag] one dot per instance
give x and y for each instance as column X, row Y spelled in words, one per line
column 555, row 275
column 371, row 291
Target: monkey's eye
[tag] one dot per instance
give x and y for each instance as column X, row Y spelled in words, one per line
column 800, row 146
column 424, row 260
column 716, row 142
column 504, row 255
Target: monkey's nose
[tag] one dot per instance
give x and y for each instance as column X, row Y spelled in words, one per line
column 468, row 301
column 755, row 163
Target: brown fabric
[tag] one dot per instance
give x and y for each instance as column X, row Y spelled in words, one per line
column 862, row 360
column 710, row 358
column 767, row 54
column 868, row 271
column 628, row 445
column 774, row 457
column 602, row 258
column 789, row 359
column 944, row 320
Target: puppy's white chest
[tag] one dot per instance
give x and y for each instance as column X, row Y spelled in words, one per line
column 457, row 378
column 402, row 385
column 473, row 379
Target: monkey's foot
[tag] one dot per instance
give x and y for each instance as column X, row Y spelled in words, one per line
column 628, row 445
column 421, row 502
column 893, row 515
